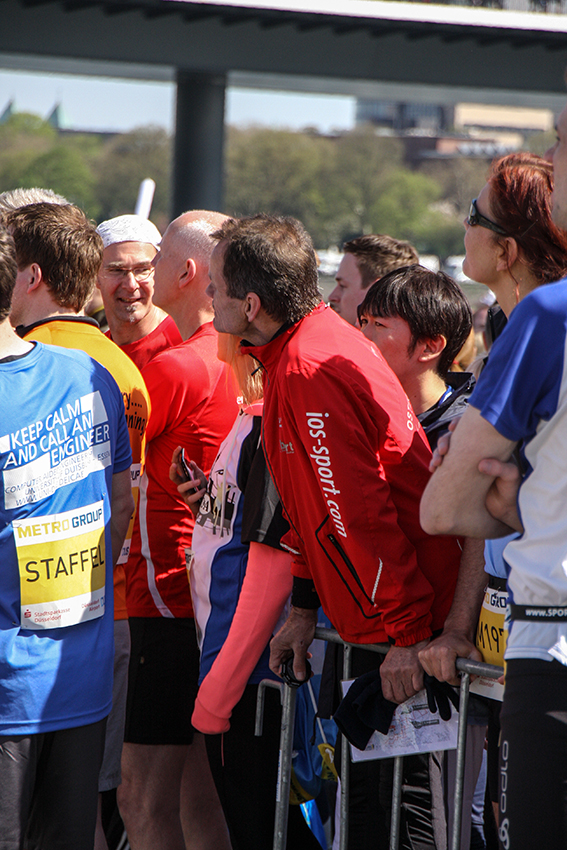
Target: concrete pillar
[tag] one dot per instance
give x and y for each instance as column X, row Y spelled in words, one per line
column 199, row 138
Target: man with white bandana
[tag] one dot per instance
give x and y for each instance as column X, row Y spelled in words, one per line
column 167, row 798
column 126, row 283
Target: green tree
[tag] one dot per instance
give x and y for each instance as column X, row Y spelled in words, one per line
column 279, row 172
column 460, row 179
column 403, row 203
column 122, row 165
column 64, row 170
column 439, row 233
column 365, row 162
column 27, row 126
column 332, row 185
column 23, row 137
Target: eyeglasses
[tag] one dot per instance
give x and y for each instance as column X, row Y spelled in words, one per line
column 476, row 218
column 141, row 273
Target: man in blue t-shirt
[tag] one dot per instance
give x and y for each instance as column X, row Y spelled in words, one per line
column 64, row 511
column 521, row 399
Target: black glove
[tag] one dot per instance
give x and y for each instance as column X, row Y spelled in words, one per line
column 364, row 709
column 438, row 696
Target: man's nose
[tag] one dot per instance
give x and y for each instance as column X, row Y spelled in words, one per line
column 129, row 280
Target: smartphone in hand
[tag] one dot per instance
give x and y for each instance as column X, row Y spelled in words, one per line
column 184, row 465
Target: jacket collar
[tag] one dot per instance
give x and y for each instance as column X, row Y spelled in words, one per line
column 269, row 353
column 461, row 385
column 460, row 381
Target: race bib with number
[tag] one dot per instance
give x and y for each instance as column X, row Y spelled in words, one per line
column 491, row 634
column 491, row 638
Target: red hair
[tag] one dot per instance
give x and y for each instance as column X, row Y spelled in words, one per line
column 521, row 185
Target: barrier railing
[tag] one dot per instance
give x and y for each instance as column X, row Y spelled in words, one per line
column 465, row 666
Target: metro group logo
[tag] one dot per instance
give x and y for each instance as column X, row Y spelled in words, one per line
column 62, row 565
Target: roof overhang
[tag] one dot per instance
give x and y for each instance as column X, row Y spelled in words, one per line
column 333, row 46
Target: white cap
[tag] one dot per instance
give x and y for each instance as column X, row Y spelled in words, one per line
column 129, row 228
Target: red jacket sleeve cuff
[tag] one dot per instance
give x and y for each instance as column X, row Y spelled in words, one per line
column 409, row 640
column 206, row 722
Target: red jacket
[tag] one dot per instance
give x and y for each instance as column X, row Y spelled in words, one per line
column 350, row 461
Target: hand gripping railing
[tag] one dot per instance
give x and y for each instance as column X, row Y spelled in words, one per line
column 287, row 695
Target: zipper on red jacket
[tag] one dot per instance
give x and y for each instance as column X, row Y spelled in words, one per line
column 349, row 564
column 267, row 459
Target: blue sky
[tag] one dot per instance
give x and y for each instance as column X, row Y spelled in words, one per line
column 102, row 104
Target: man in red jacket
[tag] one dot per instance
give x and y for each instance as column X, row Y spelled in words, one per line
column 346, row 453
column 345, row 450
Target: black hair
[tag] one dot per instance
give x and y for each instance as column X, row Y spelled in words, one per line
column 430, row 302
column 273, row 257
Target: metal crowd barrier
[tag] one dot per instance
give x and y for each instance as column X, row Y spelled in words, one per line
column 287, row 696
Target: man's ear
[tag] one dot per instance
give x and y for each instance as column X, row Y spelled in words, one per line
column 507, row 254
column 431, row 347
column 188, row 273
column 252, row 306
column 33, row 277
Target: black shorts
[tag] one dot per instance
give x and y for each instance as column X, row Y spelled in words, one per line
column 49, row 788
column 162, row 680
column 533, row 756
column 493, row 750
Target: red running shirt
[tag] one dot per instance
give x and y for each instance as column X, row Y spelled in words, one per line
column 194, row 405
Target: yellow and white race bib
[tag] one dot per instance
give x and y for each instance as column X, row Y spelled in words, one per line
column 62, row 566
column 491, row 634
column 491, row 638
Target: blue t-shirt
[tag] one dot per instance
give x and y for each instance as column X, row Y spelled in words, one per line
column 494, row 563
column 63, row 435
column 522, row 392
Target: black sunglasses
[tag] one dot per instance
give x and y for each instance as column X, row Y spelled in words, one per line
column 476, row 218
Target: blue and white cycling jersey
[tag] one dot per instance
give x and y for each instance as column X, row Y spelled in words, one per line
column 522, row 392
column 225, row 525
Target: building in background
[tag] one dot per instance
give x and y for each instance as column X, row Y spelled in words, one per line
column 447, row 131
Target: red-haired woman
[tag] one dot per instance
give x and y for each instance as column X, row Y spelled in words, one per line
column 512, row 246
column 511, row 243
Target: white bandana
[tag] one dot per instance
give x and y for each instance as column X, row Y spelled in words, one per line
column 129, row 228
